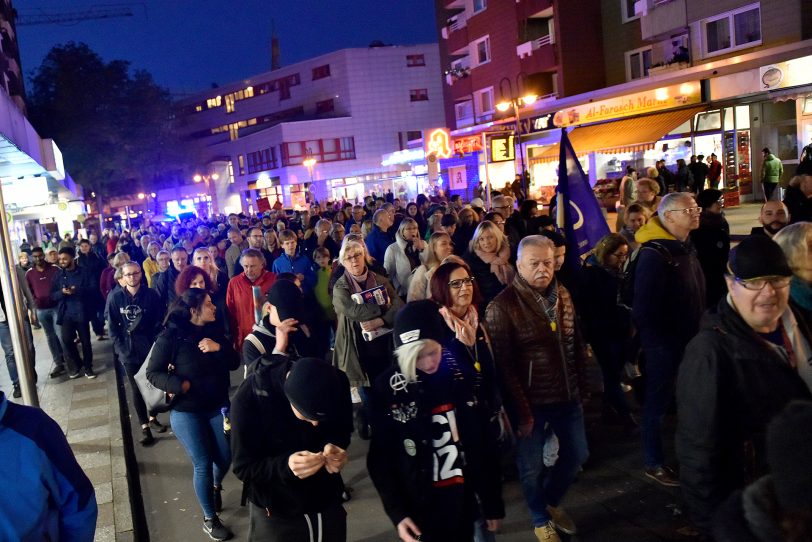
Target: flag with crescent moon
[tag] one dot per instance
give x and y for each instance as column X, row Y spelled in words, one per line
column 579, row 217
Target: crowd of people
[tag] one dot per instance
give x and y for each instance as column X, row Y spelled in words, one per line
column 449, row 335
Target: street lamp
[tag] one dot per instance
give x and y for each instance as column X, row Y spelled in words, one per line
column 522, row 97
column 148, row 196
column 207, row 179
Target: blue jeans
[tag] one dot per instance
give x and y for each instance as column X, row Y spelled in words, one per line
column 201, row 434
column 8, row 349
column 660, row 373
column 543, row 486
column 47, row 319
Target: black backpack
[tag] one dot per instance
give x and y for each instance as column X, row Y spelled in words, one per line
column 626, row 292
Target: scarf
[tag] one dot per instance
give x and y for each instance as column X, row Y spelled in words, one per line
column 362, row 282
column 464, row 328
column 499, row 263
column 801, row 292
column 412, row 254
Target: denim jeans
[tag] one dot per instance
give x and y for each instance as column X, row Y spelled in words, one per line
column 8, row 349
column 201, row 434
column 47, row 319
column 661, row 366
column 546, row 486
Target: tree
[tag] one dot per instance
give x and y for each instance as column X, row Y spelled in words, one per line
column 114, row 128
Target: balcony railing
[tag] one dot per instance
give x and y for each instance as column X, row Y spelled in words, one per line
column 457, row 22
column 527, row 48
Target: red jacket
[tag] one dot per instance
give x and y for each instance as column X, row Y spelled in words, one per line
column 240, row 304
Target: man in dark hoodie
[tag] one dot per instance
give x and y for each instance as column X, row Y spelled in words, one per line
column 165, row 281
column 712, row 242
column 669, row 299
column 94, row 266
column 71, row 290
column 291, row 426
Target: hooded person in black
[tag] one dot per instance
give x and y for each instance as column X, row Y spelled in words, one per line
column 291, row 426
column 432, row 457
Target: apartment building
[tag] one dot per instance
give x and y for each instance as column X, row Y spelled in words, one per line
column 656, row 79
column 315, row 130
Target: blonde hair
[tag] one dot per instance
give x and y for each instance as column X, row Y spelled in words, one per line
column 353, row 240
column 431, row 255
column 407, row 355
column 794, row 241
column 651, row 184
column 487, row 225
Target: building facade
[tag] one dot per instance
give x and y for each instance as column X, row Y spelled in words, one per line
column 315, row 130
column 654, row 80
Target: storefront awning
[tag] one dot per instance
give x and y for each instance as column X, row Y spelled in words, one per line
column 628, row 135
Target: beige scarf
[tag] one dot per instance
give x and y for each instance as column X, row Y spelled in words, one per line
column 500, row 266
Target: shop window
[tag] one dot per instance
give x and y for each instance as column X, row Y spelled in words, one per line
column 419, row 95
column 325, row 106
column 241, row 163
column 627, row 13
column 413, row 61
column 261, row 160
column 709, row 121
column 732, row 30
column 743, row 117
column 482, row 50
column 321, row 72
column 464, row 112
column 638, row 63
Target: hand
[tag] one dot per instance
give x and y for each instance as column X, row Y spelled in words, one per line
column 407, row 530
column 301, row 278
column 525, row 429
column 372, row 325
column 185, row 386
column 33, row 316
column 305, row 464
column 335, row 458
column 419, row 244
column 283, row 330
column 493, row 525
column 67, row 291
column 208, row 345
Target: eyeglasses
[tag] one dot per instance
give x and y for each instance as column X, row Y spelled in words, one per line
column 353, row 257
column 758, row 284
column 459, row 283
column 134, row 274
column 686, row 211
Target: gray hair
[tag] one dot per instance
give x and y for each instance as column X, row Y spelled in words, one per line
column 355, row 240
column 377, row 216
column 674, row 201
column 406, row 222
column 252, row 253
column 537, row 241
column 794, row 241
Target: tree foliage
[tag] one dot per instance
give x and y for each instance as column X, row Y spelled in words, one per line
column 115, row 128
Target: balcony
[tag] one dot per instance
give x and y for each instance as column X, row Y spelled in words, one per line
column 537, row 55
column 455, row 34
column 454, row 4
column 529, row 9
column 454, row 23
column 660, row 17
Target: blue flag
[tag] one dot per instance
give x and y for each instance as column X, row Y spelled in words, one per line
column 579, row 214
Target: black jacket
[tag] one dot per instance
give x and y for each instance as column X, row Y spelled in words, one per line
column 207, row 373
column 731, row 383
column 134, row 322
column 437, row 490
column 164, row 284
column 486, row 280
column 605, row 320
column 265, row 432
column 79, row 305
column 800, row 207
column 712, row 243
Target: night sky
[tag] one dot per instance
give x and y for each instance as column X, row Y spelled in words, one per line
column 189, row 44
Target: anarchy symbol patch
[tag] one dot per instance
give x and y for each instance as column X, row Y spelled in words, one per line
column 398, row 382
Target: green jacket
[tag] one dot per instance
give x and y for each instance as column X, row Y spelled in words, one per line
column 771, row 169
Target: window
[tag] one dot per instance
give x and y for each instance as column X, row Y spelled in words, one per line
column 419, row 95
column 627, row 13
column 321, row 72
column 198, row 108
column 732, row 30
column 325, row 106
column 261, row 160
column 241, row 162
column 323, row 150
column 464, row 112
column 482, row 50
column 217, row 101
column 484, row 101
column 479, row 5
column 638, row 63
column 415, row 60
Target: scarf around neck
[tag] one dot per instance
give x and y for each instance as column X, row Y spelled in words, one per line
column 500, row 266
column 801, row 292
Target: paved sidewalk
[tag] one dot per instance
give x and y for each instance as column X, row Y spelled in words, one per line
column 88, row 413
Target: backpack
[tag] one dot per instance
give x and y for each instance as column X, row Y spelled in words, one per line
column 626, row 291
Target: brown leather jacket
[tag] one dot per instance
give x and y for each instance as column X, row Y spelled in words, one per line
column 539, row 365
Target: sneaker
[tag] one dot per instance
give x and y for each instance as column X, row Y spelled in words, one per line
column 157, row 426
column 74, row 375
column 101, row 337
column 146, row 439
column 546, row 533
column 663, row 475
column 218, row 499
column 90, row 374
column 16, row 392
column 561, row 520
column 216, row 530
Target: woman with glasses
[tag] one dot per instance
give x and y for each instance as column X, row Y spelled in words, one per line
column 489, row 259
column 363, row 346
column 438, row 249
column 608, row 324
column 403, row 256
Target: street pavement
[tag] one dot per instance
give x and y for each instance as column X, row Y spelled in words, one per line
column 611, row 500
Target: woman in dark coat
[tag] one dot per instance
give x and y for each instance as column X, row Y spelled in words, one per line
column 489, row 258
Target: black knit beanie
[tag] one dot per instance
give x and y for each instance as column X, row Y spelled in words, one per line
column 419, row 320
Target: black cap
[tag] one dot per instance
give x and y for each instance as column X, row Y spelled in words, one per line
column 288, row 300
column 789, row 441
column 313, row 388
column 758, row 256
column 419, row 320
column 708, row 197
